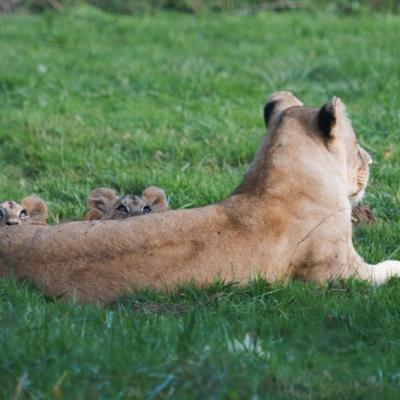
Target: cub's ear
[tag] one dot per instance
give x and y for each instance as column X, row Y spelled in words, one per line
column 99, row 201
column 36, row 208
column 156, row 199
column 329, row 116
column 93, row 215
column 277, row 103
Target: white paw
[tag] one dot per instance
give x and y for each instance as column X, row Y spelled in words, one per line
column 385, row 270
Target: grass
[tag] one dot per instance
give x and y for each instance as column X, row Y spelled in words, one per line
column 203, row 6
column 173, row 100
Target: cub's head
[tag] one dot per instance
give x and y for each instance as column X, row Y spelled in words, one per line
column 327, row 126
column 104, row 203
column 32, row 210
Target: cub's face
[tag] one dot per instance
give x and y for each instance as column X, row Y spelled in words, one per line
column 32, row 210
column 128, row 206
column 104, row 203
column 12, row 213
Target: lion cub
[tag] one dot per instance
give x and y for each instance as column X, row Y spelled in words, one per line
column 32, row 210
column 104, row 203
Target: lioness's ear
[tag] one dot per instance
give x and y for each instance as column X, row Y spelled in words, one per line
column 329, row 115
column 277, row 103
column 36, row 208
column 156, row 198
column 100, row 199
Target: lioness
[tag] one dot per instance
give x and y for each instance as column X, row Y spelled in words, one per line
column 31, row 210
column 289, row 218
column 103, row 203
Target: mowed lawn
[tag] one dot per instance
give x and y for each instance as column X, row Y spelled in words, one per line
column 88, row 99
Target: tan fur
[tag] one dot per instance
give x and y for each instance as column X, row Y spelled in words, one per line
column 93, row 215
column 103, row 203
column 362, row 172
column 33, row 210
column 289, row 218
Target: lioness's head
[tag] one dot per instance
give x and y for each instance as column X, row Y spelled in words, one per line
column 104, row 203
column 32, row 210
column 360, row 174
column 330, row 126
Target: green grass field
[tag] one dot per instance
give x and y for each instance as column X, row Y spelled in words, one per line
column 173, row 100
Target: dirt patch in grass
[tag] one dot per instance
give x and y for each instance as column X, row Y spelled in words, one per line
column 362, row 214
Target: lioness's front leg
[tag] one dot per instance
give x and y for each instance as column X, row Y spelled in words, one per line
column 377, row 274
column 383, row 271
column 339, row 260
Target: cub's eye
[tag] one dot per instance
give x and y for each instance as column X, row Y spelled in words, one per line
column 146, row 209
column 1, row 213
column 122, row 208
column 23, row 214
